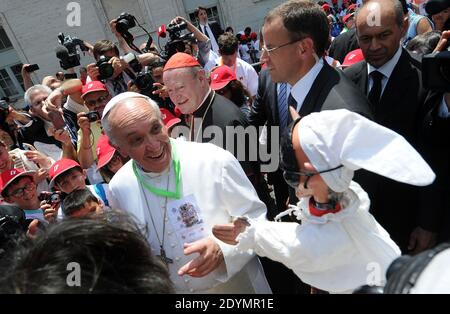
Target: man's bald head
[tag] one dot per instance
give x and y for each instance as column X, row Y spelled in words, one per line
column 126, row 112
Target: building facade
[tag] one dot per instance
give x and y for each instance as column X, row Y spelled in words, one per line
column 29, row 28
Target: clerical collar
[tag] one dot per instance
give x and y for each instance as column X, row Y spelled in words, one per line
column 203, row 107
column 320, row 209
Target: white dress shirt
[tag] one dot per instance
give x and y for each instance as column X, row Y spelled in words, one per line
column 302, row 87
column 386, row 69
column 207, row 30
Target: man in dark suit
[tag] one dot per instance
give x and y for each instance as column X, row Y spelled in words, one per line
column 343, row 44
column 295, row 36
column 208, row 28
column 394, row 88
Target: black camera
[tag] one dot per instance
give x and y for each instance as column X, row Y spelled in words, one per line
column 177, row 41
column 436, row 71
column 93, row 116
column 125, row 21
column 50, row 197
column 105, row 68
column 143, row 80
column 67, row 53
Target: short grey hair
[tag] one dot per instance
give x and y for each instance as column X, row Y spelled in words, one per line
column 106, row 124
column 33, row 89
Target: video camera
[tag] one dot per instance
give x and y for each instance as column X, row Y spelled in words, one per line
column 12, row 225
column 436, row 71
column 67, row 52
column 177, row 40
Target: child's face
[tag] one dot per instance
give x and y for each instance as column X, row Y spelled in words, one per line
column 316, row 186
column 90, row 208
column 72, row 180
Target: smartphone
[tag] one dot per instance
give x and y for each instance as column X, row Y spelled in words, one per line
column 32, row 68
column 57, row 120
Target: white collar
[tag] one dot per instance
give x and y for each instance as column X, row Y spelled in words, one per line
column 302, row 87
column 387, row 68
column 203, row 101
column 75, row 107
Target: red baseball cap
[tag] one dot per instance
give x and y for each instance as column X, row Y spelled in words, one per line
column 181, row 60
column 168, row 118
column 94, row 86
column 221, row 76
column 9, row 176
column 346, row 17
column 105, row 151
column 326, row 7
column 60, row 167
column 353, row 57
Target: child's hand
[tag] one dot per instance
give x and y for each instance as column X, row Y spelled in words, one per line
column 228, row 232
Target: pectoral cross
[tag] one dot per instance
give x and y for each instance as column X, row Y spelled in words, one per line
column 162, row 255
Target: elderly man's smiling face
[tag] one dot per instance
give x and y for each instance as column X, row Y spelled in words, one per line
column 138, row 132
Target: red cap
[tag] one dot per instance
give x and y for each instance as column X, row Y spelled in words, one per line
column 9, row 176
column 353, row 57
column 351, row 7
column 181, row 60
column 168, row 118
column 221, row 76
column 59, row 167
column 94, row 86
column 326, row 7
column 105, row 151
column 253, row 36
column 346, row 17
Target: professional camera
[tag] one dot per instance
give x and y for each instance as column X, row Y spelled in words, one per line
column 143, row 80
column 177, row 40
column 12, row 224
column 67, row 53
column 125, row 21
column 436, row 71
column 93, row 116
column 105, row 68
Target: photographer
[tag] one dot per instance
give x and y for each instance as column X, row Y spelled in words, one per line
column 95, row 97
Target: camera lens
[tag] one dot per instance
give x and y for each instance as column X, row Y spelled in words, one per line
column 105, row 69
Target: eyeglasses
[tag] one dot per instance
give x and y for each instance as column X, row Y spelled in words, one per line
column 293, row 178
column 30, row 186
column 271, row 50
column 93, row 102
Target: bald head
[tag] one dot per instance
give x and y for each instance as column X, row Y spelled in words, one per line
column 126, row 112
column 374, row 10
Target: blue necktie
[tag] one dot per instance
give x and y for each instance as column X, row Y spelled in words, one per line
column 282, row 106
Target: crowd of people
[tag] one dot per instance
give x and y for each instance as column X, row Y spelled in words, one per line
column 148, row 169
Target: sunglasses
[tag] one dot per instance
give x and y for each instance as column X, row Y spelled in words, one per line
column 292, row 178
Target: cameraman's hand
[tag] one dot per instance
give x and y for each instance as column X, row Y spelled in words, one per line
column 63, row 136
column 178, row 20
column 54, row 100
column 24, row 71
column 112, row 24
column 50, row 212
column 161, row 90
column 132, row 87
column 92, row 71
column 118, row 66
column 39, row 158
column 445, row 37
column 83, row 123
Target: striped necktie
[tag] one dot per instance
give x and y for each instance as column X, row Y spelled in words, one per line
column 282, row 106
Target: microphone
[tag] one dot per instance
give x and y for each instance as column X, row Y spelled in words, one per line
column 162, row 31
column 61, row 52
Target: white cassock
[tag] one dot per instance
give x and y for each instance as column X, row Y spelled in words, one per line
column 335, row 252
column 214, row 178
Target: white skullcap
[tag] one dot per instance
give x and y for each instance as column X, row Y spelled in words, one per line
column 340, row 137
column 116, row 99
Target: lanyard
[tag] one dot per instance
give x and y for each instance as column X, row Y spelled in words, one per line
column 161, row 192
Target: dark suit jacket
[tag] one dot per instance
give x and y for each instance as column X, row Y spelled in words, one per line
column 343, row 44
column 402, row 108
column 215, row 28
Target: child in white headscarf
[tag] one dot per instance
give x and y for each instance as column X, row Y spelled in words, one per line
column 339, row 246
